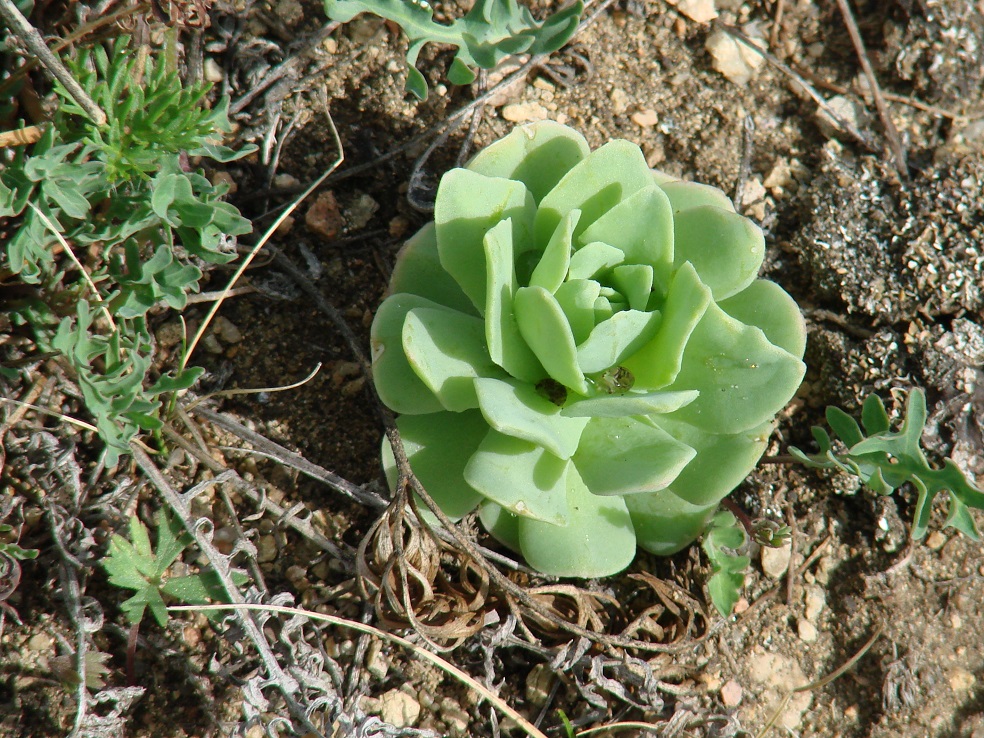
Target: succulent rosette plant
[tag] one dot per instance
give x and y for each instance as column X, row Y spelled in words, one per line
column 579, row 347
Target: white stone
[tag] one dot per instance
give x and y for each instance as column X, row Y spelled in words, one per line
column 700, row 11
column 775, row 561
column 733, row 58
column 398, row 708
column 806, row 630
column 524, row 112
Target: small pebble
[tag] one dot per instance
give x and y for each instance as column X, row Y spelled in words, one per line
column 398, row 708
column 645, row 118
column 775, row 561
column 731, row 694
column 807, row 631
column 524, row 112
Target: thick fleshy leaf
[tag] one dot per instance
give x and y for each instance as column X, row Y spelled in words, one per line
column 397, row 384
column 722, row 460
column 500, row 523
column 593, row 258
column 520, row 476
column 621, row 406
column 611, row 341
column 576, row 298
column 438, row 447
column 725, row 248
column 538, row 155
column 606, row 177
column 551, row 272
column 657, row 364
column 641, row 226
column 518, row 410
column 743, row 379
column 597, row 541
column 447, row 351
column 635, row 282
column 768, row 306
column 467, row 206
column 625, row 456
column 505, row 344
column 418, row 271
column 544, row 326
column 688, row 195
column 664, row 523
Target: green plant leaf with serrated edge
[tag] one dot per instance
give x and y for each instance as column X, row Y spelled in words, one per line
column 489, row 32
column 885, row 460
column 135, row 564
column 723, row 539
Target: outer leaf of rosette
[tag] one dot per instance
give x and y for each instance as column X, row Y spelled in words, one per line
column 500, row 523
column 517, row 410
column 597, row 541
column 522, row 477
column 742, row 378
column 538, row 155
column 545, row 328
column 551, row 271
column 641, row 226
column 505, row 344
column 626, row 456
column 397, row 384
column 658, row 362
column 438, row 447
column 768, row 306
column 612, row 340
column 607, row 176
column 468, row 205
column 665, row 523
column 418, row 271
column 725, row 248
column 447, row 351
column 688, row 195
column 722, row 461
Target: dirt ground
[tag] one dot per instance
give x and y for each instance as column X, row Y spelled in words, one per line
column 886, row 261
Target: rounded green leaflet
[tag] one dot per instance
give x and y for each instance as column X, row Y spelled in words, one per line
column 598, row 539
column 544, row 327
column 641, row 227
column 625, row 456
column 538, row 156
column 398, row 385
column 467, row 206
column 550, row 272
column 743, row 379
column 446, row 349
column 418, row 271
column 520, row 411
column 596, row 185
column 616, row 338
column 505, row 344
column 725, row 248
column 657, row 363
column 438, row 447
column 521, row 476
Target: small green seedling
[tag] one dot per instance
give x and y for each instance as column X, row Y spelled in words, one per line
column 580, row 348
column 489, row 32
column 724, row 541
column 134, row 564
column 884, row 460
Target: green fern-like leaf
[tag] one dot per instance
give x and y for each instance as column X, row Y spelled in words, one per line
column 723, row 542
column 885, row 460
column 489, row 32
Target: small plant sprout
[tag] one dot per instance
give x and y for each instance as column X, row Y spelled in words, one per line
column 579, row 347
column 884, row 460
column 487, row 34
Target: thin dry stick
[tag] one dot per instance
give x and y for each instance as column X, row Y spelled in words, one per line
column 890, row 131
column 801, row 81
column 253, row 390
column 894, row 142
column 777, row 24
column 821, row 682
column 442, row 664
column 263, row 241
column 36, row 45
